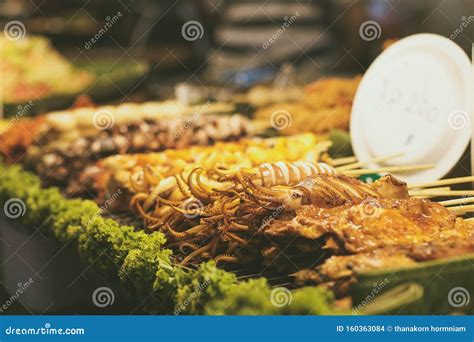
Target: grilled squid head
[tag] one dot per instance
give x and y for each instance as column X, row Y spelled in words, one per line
column 391, row 187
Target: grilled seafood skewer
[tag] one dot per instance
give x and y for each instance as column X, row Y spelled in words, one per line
column 222, row 227
column 279, row 173
column 327, row 190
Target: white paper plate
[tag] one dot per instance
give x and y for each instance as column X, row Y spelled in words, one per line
column 414, row 99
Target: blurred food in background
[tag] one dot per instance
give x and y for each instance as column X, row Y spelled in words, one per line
column 324, row 105
column 31, row 69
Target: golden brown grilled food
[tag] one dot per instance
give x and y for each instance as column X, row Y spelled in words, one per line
column 325, row 104
column 17, row 137
column 377, row 233
column 231, row 216
column 339, row 271
column 59, row 146
column 373, row 223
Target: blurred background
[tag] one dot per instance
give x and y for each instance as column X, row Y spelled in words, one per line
column 235, row 43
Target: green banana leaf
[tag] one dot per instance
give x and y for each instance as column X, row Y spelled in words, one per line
column 403, row 297
column 448, row 285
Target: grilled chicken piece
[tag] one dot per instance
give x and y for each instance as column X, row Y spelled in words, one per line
column 377, row 233
column 373, row 223
column 384, row 222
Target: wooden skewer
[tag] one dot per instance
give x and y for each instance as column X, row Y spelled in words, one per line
column 374, row 160
column 440, row 193
column 462, row 208
column 416, row 193
column 405, row 168
column 441, row 188
column 442, row 182
column 342, row 161
column 457, row 201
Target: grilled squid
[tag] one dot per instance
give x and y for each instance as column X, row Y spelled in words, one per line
column 279, row 173
column 327, row 190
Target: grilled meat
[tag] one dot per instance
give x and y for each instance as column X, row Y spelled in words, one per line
column 61, row 163
column 377, row 233
column 371, row 224
column 324, row 105
column 340, row 271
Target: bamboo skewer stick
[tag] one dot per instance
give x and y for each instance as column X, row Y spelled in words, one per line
column 359, row 164
column 458, row 180
column 405, row 168
column 462, row 208
column 342, row 161
column 440, row 193
column 416, row 193
column 457, row 201
column 441, row 188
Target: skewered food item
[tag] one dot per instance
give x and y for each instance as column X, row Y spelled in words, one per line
column 72, row 124
column 279, row 173
column 226, row 218
column 262, row 95
column 339, row 272
column 372, row 224
column 26, row 66
column 326, row 104
column 63, row 162
column 327, row 190
column 60, row 145
column 154, row 173
column 374, row 234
